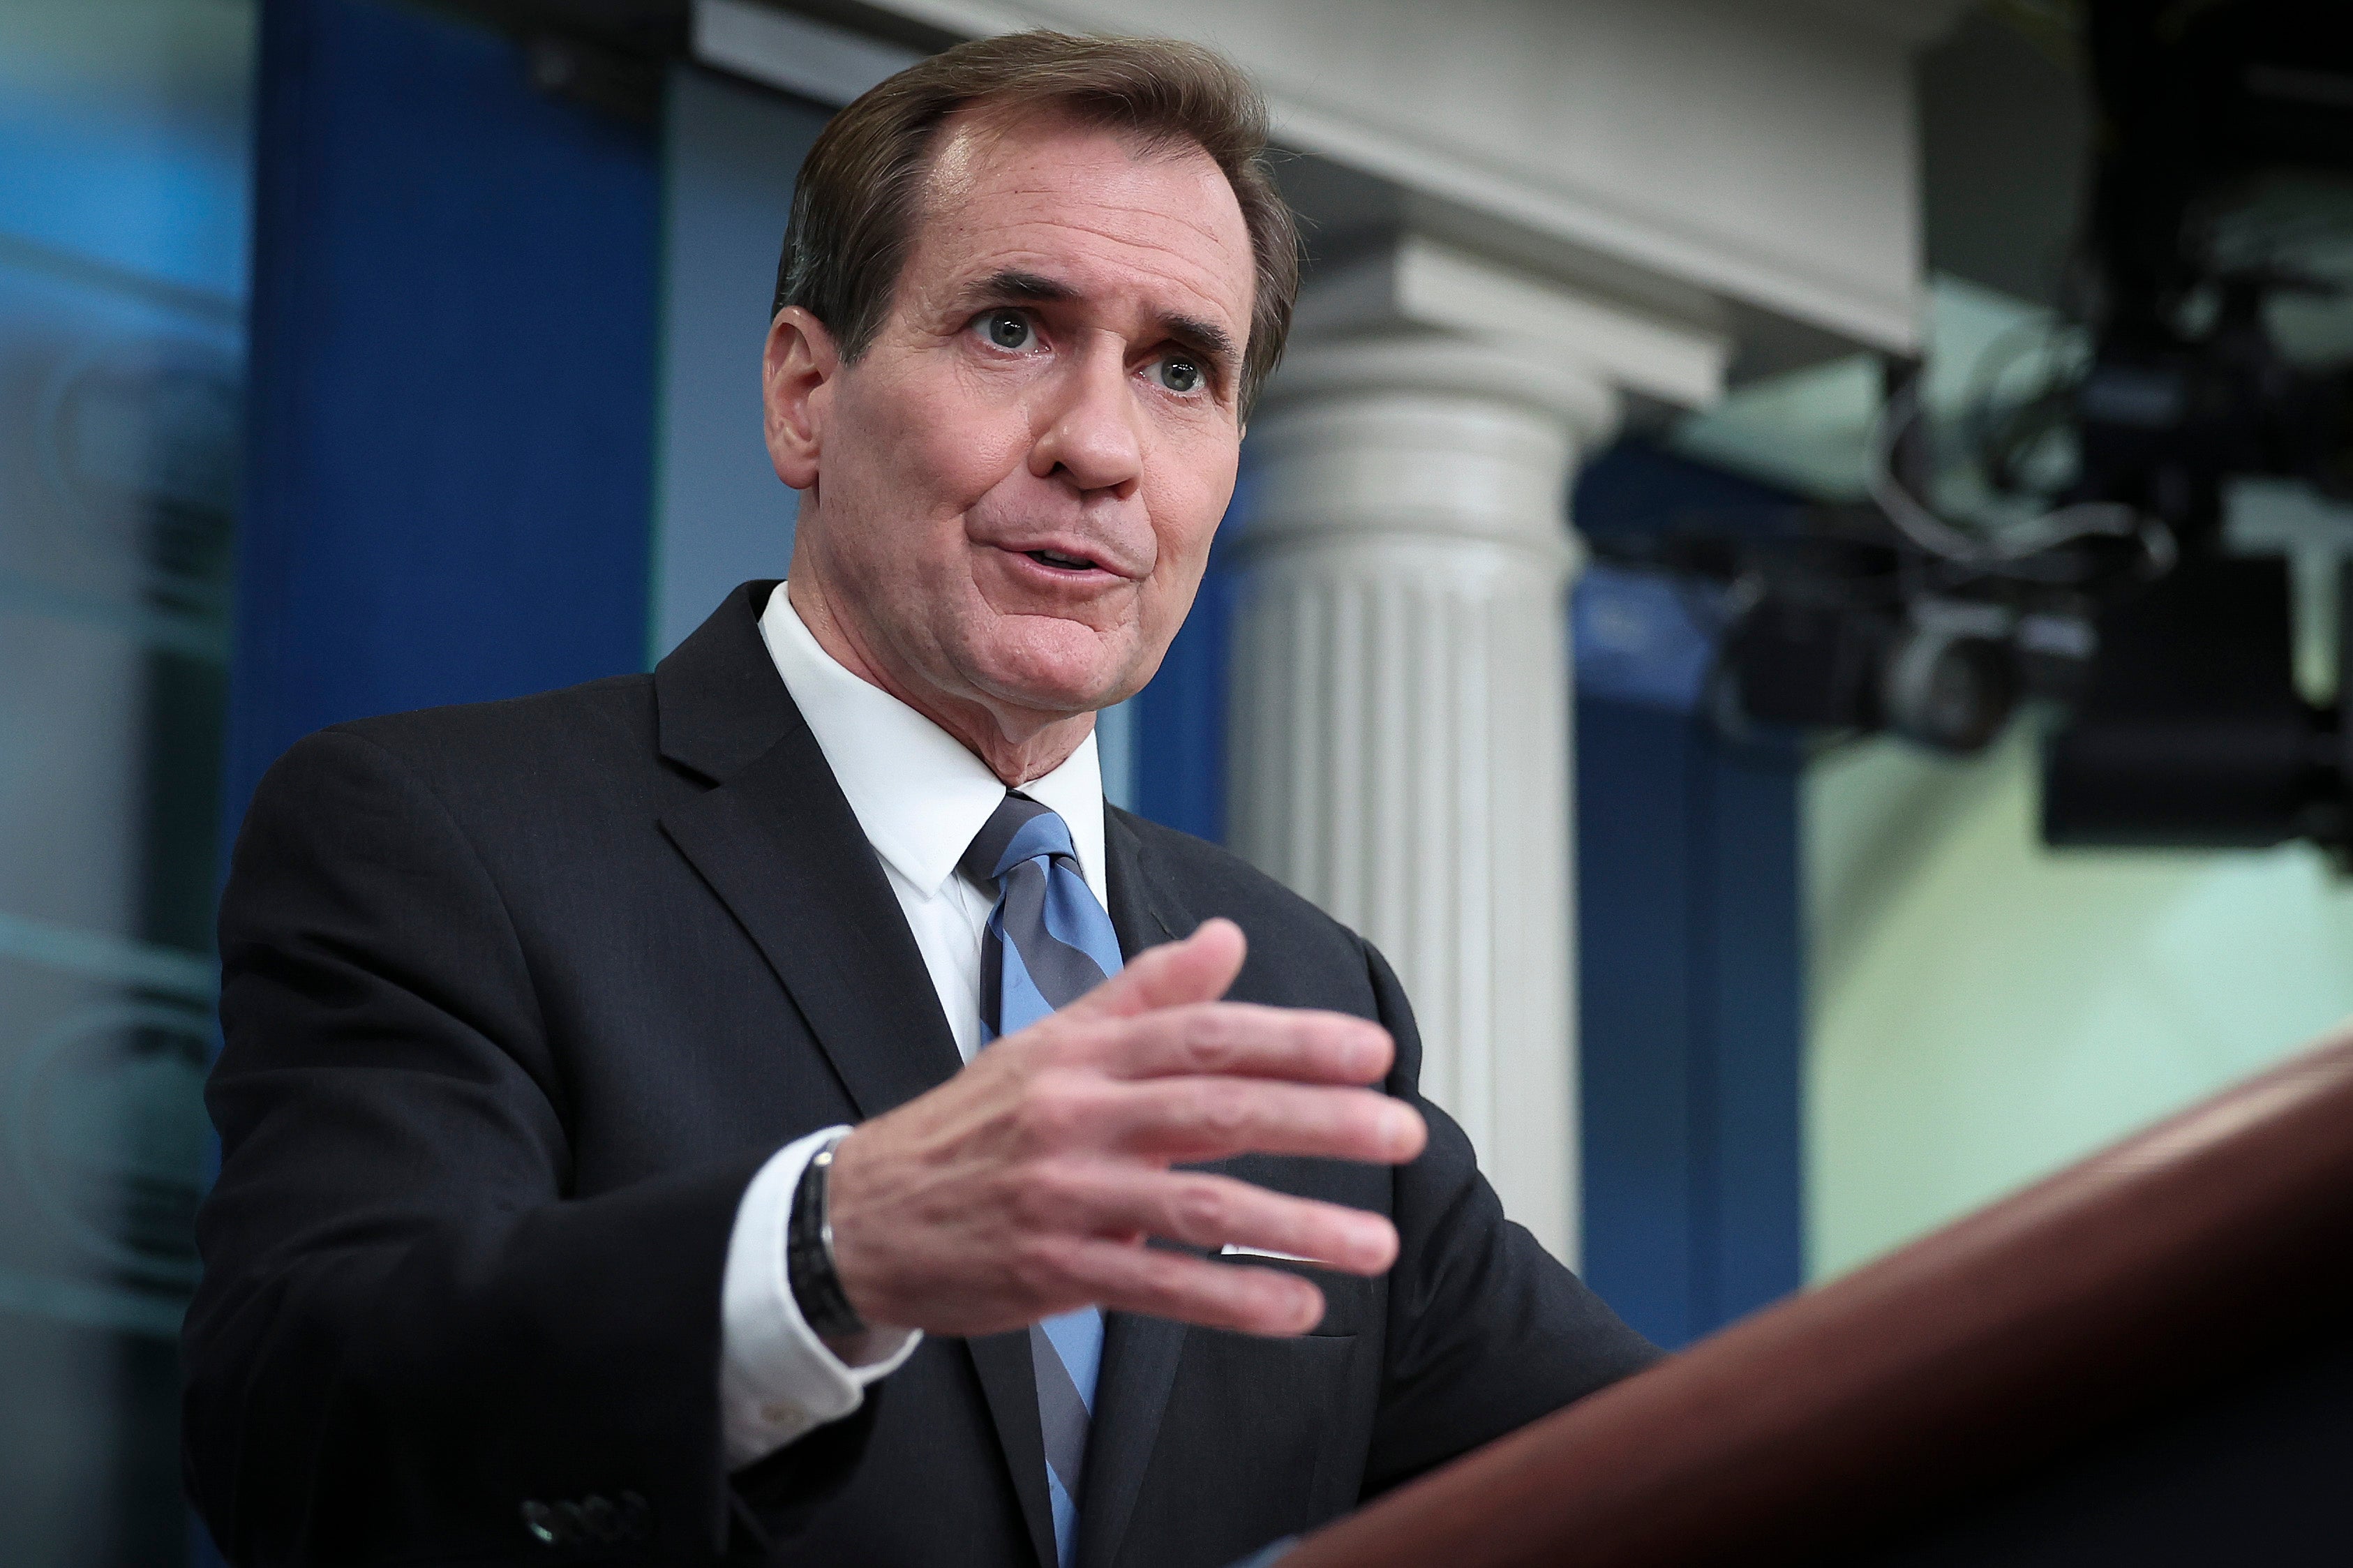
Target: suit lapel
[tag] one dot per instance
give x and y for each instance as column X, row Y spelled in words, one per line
column 778, row 843
column 1010, row 1383
column 1140, row 1353
column 1145, row 911
column 780, row 846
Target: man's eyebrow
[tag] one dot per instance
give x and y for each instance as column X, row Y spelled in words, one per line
column 1204, row 338
column 1014, row 284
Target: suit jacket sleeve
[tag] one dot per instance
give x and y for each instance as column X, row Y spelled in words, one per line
column 408, row 1328
column 1487, row 1330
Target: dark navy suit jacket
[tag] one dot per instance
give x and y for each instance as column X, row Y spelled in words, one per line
column 517, row 998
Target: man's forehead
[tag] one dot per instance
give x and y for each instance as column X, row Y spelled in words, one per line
column 1085, row 206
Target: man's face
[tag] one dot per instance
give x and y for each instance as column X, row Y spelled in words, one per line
column 1015, row 487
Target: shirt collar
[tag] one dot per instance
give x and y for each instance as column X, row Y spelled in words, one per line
column 918, row 794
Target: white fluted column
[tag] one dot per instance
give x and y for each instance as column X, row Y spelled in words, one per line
column 1400, row 705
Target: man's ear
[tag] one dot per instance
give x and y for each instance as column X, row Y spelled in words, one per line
column 796, row 376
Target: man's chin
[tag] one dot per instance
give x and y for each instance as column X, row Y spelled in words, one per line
column 1052, row 701
column 1063, row 686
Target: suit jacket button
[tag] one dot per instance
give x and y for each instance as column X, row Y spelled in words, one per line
column 539, row 1519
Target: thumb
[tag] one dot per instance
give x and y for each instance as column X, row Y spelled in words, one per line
column 1197, row 969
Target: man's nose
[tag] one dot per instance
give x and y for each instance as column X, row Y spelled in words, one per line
column 1090, row 432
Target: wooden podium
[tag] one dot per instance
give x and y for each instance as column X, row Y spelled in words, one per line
column 2145, row 1359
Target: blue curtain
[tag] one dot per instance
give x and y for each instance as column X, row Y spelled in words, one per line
column 454, row 326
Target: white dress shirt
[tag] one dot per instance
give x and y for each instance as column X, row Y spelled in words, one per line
column 921, row 797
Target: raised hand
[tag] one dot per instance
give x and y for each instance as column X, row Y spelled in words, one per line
column 1026, row 1186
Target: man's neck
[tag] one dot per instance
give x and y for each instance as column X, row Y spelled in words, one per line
column 1016, row 745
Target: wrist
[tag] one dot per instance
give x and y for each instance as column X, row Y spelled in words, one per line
column 810, row 1269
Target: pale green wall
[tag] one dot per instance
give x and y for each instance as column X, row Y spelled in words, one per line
column 1985, row 1010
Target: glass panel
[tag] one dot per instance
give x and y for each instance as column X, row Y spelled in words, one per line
column 123, row 214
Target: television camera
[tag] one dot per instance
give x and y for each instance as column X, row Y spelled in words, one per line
column 2091, row 562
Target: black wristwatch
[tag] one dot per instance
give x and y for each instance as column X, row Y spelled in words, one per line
column 808, row 1256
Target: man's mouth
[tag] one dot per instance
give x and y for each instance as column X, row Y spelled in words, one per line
column 1057, row 558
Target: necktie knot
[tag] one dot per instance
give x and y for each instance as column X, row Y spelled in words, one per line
column 1048, row 941
column 1019, row 830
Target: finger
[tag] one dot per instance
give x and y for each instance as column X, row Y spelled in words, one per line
column 1192, row 1118
column 1111, row 1199
column 1163, row 1284
column 1197, row 969
column 1241, row 1039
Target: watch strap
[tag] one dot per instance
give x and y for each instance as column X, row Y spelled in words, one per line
column 808, row 1256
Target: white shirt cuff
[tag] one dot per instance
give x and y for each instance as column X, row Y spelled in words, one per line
column 777, row 1381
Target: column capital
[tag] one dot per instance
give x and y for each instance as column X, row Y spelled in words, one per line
column 1412, row 283
column 1402, row 431
column 1414, row 359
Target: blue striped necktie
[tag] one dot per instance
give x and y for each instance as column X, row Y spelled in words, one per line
column 1048, row 942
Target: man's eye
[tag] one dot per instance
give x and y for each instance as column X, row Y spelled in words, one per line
column 1007, row 328
column 1178, row 373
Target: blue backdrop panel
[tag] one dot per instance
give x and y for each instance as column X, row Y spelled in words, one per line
column 1691, row 956
column 1179, row 728
column 452, row 379
column 730, row 156
column 1756, row 1040
column 1641, row 972
column 1178, row 722
column 1691, row 1011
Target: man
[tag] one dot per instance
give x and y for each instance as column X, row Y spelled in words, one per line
column 772, row 1107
